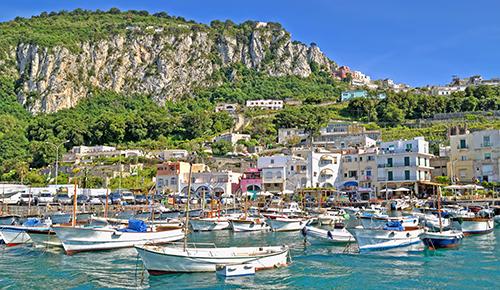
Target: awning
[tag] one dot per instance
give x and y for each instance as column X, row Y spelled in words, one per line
column 350, row 183
column 402, row 189
column 473, row 186
column 387, row 190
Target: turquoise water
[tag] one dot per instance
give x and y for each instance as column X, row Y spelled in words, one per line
column 475, row 265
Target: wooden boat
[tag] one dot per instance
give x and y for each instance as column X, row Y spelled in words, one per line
column 443, row 239
column 283, row 223
column 79, row 239
column 474, row 225
column 248, row 224
column 13, row 237
column 209, row 224
column 162, row 260
column 392, row 236
column 338, row 234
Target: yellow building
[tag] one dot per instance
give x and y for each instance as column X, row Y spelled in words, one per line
column 474, row 157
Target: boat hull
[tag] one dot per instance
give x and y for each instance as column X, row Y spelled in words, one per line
column 286, row 225
column 248, row 225
column 379, row 239
column 209, row 224
column 475, row 226
column 330, row 236
column 13, row 237
column 163, row 260
column 76, row 240
column 442, row 240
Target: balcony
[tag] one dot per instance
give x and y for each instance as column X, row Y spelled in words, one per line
column 465, row 147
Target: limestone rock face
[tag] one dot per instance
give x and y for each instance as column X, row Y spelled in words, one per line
column 165, row 66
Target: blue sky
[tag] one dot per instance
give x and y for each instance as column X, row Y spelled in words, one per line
column 415, row 42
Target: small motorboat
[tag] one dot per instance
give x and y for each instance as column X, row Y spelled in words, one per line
column 283, row 223
column 374, row 221
column 164, row 259
column 443, row 239
column 14, row 237
column 39, row 232
column 248, row 224
column 339, row 234
column 79, row 239
column 474, row 223
column 393, row 235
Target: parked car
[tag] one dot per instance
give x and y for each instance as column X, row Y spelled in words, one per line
column 115, row 198
column 82, row 199
column 141, row 199
column 63, row 199
column 96, row 200
column 45, row 198
column 128, row 197
column 28, row 198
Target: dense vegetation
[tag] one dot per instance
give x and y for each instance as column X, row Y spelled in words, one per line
column 398, row 107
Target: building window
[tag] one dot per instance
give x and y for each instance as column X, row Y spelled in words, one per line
column 360, row 158
column 463, row 144
column 353, row 173
column 371, row 158
column 408, row 147
column 368, row 173
column 389, row 162
column 272, row 161
column 487, row 156
column 172, row 180
column 390, row 175
column 291, row 168
column 407, row 174
column 463, row 157
column 334, row 160
column 462, row 173
column 486, row 141
column 407, row 161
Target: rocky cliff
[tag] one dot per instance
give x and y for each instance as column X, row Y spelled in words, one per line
column 163, row 63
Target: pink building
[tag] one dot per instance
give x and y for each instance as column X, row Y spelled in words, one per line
column 251, row 180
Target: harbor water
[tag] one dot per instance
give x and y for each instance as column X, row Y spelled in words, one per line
column 475, row 265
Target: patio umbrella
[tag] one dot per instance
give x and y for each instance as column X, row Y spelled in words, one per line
column 473, row 186
column 387, row 190
column 402, row 189
column 454, row 187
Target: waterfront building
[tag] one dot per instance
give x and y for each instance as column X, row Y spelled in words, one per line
column 273, row 172
column 403, row 163
column 265, row 104
column 474, row 157
column 171, row 176
column 251, row 181
column 359, row 168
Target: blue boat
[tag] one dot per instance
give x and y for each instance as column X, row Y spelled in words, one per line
column 444, row 239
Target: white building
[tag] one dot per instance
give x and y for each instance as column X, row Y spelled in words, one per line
column 265, row 104
column 360, row 79
column 446, row 91
column 82, row 153
column 232, row 138
column 403, row 163
column 323, row 168
column 274, row 172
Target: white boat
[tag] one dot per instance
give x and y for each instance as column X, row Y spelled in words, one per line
column 381, row 239
column 380, row 220
column 280, row 223
column 474, row 225
column 209, row 224
column 336, row 235
column 163, row 259
column 248, row 224
column 78, row 239
column 13, row 237
column 331, row 217
column 431, row 220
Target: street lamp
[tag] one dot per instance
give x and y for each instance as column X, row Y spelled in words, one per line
column 57, row 155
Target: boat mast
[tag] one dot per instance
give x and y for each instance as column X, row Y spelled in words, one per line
column 73, row 222
column 106, row 205
column 186, row 222
column 439, row 209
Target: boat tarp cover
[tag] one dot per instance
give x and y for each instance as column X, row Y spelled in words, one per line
column 32, row 222
column 136, row 226
column 394, row 226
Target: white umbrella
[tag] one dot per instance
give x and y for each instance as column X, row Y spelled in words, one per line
column 454, row 187
column 387, row 190
column 402, row 189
